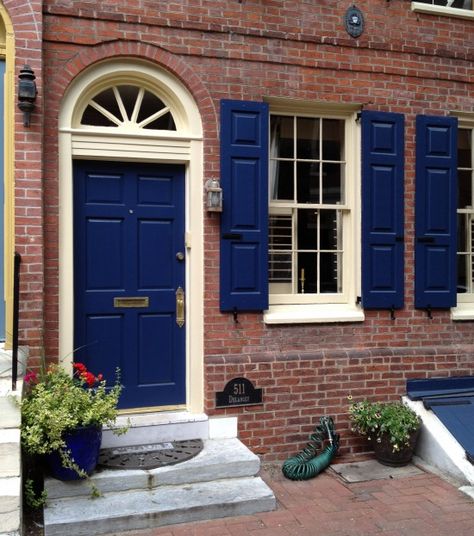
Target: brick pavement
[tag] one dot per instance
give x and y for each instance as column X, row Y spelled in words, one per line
column 421, row 505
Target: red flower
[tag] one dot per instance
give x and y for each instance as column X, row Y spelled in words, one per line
column 100, row 377
column 89, row 378
column 31, row 377
column 80, row 367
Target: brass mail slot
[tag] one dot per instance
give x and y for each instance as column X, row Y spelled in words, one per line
column 135, row 301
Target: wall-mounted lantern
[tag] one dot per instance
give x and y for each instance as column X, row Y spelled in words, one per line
column 26, row 93
column 214, row 196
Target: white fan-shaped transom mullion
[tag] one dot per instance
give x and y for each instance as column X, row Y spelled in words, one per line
column 110, row 116
column 153, row 117
column 138, row 104
column 120, row 104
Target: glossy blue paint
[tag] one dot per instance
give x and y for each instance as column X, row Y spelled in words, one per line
column 435, row 216
column 382, row 210
column 83, row 444
column 244, row 220
column 457, row 414
column 128, row 228
column 417, row 389
column 452, row 401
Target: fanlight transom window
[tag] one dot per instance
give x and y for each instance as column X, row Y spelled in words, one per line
column 128, row 107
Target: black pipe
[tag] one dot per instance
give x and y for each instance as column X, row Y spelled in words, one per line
column 16, row 309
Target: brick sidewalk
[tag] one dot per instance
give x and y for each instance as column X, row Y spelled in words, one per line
column 421, row 505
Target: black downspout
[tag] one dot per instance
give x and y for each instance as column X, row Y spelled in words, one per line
column 16, row 308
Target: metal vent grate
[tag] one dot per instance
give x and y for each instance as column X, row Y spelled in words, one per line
column 150, row 456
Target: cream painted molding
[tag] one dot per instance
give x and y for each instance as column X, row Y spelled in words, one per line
column 184, row 146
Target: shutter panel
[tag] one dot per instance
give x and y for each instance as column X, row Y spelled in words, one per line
column 435, row 218
column 382, row 210
column 244, row 220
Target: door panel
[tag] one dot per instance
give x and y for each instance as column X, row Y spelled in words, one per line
column 128, row 227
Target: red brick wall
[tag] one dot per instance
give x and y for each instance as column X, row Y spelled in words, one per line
column 404, row 62
column 26, row 17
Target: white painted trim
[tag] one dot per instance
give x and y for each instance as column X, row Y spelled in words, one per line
column 313, row 314
column 443, row 11
column 183, row 147
column 463, row 311
column 438, row 447
column 283, row 307
column 141, row 73
column 222, row 427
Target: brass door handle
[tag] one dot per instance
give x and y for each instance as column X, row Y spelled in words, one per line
column 180, row 307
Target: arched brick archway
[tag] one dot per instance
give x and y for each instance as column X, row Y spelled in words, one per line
column 82, row 75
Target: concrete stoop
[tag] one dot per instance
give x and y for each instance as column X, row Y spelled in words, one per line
column 10, row 449
column 220, row 481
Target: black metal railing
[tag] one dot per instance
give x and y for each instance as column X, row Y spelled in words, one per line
column 16, row 308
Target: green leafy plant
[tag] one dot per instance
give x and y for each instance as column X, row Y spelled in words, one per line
column 58, row 402
column 34, row 500
column 374, row 419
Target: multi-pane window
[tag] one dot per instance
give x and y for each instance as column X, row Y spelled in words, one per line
column 457, row 4
column 308, row 206
column 465, row 248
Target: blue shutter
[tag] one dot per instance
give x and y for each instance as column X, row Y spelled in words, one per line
column 435, row 219
column 244, row 220
column 382, row 210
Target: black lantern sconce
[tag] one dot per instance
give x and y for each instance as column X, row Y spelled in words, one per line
column 26, row 93
column 213, row 196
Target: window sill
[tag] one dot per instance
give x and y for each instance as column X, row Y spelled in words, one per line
column 312, row 314
column 442, row 11
column 463, row 311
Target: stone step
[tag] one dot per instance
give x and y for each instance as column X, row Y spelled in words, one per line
column 10, row 505
column 145, row 428
column 6, row 362
column 219, row 459
column 10, row 452
column 132, row 510
column 10, row 414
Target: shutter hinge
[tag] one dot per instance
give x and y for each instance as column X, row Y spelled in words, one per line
column 392, row 313
column 358, row 300
column 428, row 312
column 235, row 314
column 358, row 116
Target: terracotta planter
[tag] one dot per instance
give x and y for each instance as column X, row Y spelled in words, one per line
column 84, row 445
column 384, row 450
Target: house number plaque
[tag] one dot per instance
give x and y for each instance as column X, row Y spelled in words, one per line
column 238, row 392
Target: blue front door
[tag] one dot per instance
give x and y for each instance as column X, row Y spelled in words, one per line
column 129, row 275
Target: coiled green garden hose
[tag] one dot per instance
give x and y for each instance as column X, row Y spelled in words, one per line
column 308, row 463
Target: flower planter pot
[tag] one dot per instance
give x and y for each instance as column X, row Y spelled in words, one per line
column 83, row 445
column 383, row 450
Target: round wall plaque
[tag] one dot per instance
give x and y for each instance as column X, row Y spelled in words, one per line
column 354, row 21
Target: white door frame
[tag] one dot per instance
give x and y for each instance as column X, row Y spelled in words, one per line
column 183, row 146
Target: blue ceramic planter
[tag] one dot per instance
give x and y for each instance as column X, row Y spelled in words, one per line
column 84, row 445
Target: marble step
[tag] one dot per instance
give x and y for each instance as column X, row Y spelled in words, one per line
column 165, row 505
column 10, row 505
column 148, row 428
column 219, row 459
column 10, row 452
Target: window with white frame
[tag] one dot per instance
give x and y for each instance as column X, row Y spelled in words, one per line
column 465, row 248
column 311, row 227
column 456, row 4
column 463, row 9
